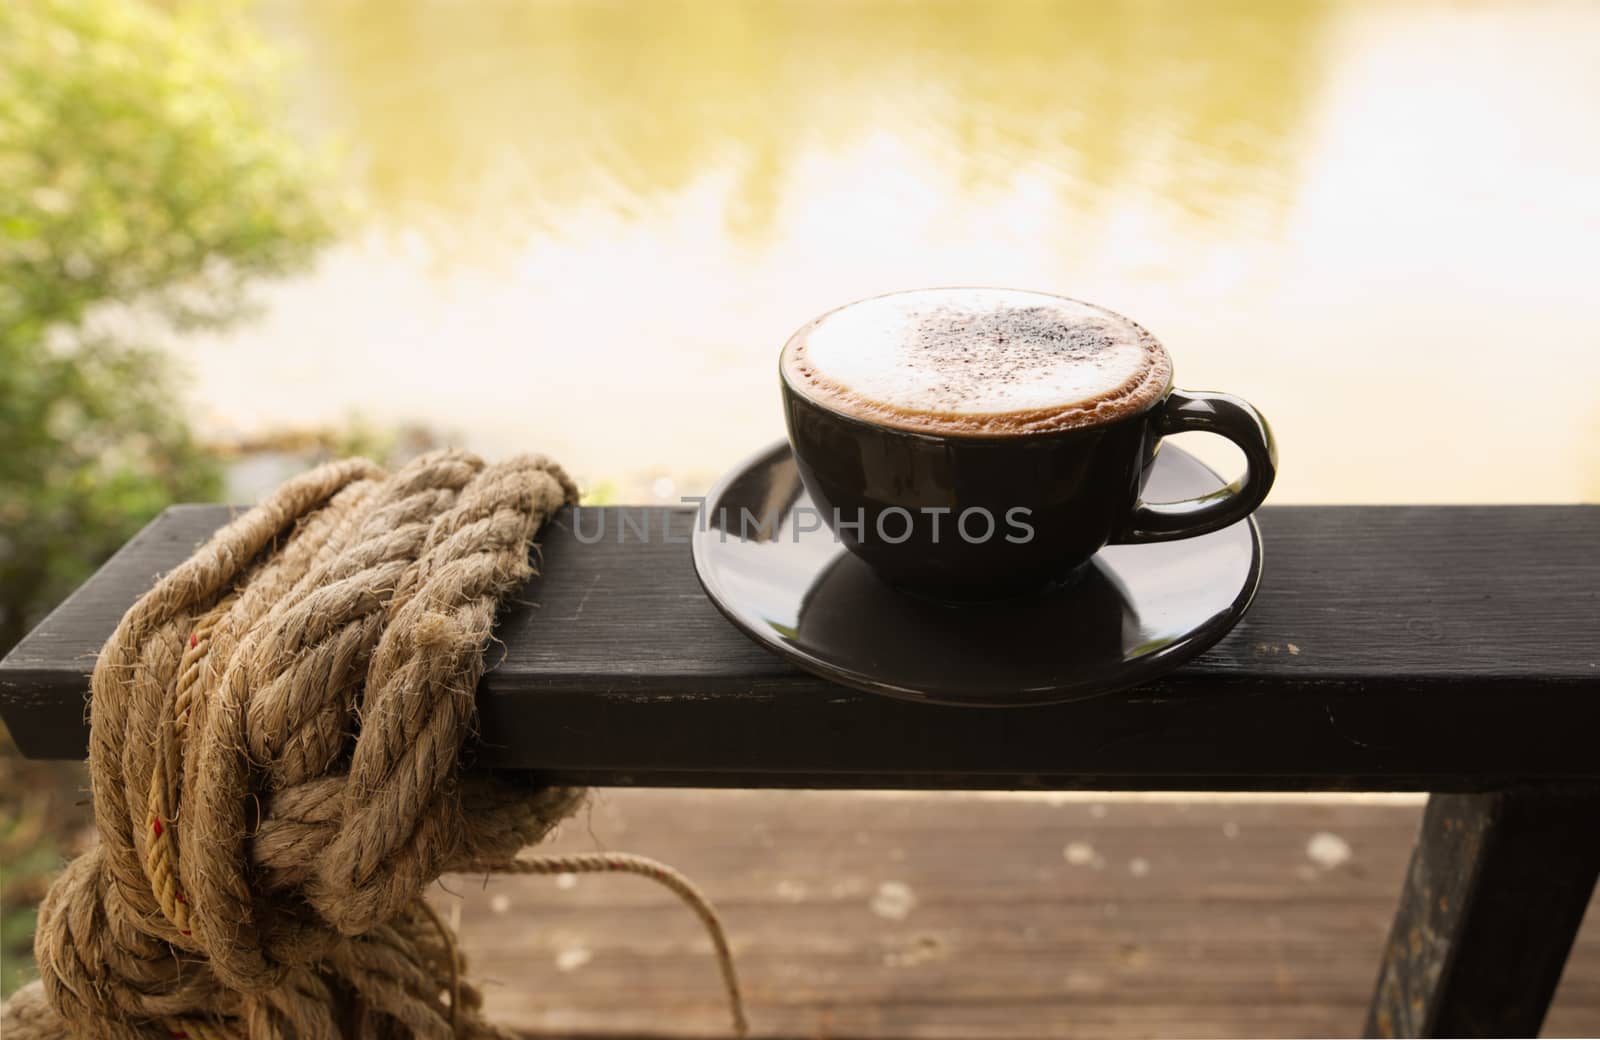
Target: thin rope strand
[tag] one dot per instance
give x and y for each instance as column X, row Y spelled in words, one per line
column 447, row 937
column 674, row 881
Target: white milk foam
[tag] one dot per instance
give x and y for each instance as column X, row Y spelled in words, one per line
column 980, row 361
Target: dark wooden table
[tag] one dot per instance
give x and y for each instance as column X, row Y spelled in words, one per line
column 1453, row 650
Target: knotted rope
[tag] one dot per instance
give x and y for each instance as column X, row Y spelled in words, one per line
column 276, row 730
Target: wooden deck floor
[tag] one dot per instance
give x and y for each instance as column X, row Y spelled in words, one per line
column 963, row 915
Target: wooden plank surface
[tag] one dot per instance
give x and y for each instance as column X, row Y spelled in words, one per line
column 966, row 915
column 1427, row 648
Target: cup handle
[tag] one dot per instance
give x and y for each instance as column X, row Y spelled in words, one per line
column 1234, row 419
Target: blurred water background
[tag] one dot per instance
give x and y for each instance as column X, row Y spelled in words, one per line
column 586, row 228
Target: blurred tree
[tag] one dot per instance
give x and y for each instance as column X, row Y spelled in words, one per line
column 143, row 183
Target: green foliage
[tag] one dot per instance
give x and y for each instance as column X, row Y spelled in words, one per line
column 92, row 449
column 141, row 177
column 602, row 494
column 140, row 161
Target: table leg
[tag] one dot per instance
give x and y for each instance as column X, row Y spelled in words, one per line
column 1494, row 895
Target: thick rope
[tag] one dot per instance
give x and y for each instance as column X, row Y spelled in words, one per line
column 274, row 747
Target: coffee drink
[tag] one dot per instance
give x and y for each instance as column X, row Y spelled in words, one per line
column 986, row 443
column 978, row 362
